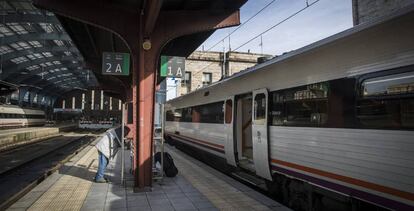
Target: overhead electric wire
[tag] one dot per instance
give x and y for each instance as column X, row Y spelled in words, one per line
column 241, row 25
column 277, row 24
column 267, row 30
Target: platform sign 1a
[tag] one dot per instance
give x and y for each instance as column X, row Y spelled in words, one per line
column 115, row 63
column 172, row 66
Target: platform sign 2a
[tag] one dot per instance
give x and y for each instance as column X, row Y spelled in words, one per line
column 172, row 66
column 115, row 63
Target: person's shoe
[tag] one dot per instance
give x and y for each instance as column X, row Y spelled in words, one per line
column 100, row 180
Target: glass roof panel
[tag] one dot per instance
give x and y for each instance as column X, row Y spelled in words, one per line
column 43, row 73
column 27, row 50
column 19, row 60
column 50, row 78
column 5, row 49
column 59, row 28
column 5, row 31
column 35, row 44
column 16, row 27
column 47, row 27
column 29, row 27
column 33, row 67
column 20, row 45
column 59, row 42
column 47, row 54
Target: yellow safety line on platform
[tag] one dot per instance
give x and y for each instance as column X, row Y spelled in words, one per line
column 220, row 193
column 70, row 191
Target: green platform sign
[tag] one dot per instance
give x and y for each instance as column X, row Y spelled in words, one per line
column 115, row 63
column 172, row 66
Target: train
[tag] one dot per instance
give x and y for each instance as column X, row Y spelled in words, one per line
column 13, row 116
column 329, row 126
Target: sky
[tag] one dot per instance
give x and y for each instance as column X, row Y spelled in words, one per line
column 321, row 20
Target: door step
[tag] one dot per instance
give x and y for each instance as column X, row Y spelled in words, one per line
column 251, row 179
column 247, row 164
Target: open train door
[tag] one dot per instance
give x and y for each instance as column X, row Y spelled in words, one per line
column 228, row 127
column 260, row 133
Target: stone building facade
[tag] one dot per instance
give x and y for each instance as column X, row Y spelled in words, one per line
column 367, row 10
column 206, row 67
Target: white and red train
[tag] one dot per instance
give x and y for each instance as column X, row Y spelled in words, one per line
column 12, row 116
column 329, row 126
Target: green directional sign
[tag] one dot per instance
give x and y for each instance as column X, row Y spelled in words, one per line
column 172, row 66
column 115, row 63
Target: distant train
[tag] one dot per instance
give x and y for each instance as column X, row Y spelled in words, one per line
column 12, row 116
column 326, row 127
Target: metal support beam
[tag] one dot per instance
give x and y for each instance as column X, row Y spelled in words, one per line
column 19, row 17
column 152, row 12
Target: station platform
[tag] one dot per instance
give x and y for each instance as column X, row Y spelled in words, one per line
column 13, row 137
column 196, row 187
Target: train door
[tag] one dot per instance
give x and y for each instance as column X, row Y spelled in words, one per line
column 260, row 133
column 228, row 127
column 243, row 118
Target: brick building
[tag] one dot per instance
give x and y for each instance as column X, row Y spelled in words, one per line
column 367, row 10
column 206, row 67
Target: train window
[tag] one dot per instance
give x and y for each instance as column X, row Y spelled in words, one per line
column 229, row 111
column 301, row 106
column 387, row 102
column 211, row 113
column 389, row 85
column 260, row 109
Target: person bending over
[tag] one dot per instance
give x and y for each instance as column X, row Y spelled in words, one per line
column 107, row 148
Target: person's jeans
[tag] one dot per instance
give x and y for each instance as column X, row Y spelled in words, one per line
column 103, row 162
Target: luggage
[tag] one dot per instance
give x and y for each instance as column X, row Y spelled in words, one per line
column 170, row 169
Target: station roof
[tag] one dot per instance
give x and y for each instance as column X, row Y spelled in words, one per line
column 54, row 55
column 92, row 40
column 36, row 51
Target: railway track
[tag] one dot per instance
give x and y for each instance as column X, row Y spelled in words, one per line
column 22, row 168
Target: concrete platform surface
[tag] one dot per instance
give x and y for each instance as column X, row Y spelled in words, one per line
column 18, row 136
column 196, row 187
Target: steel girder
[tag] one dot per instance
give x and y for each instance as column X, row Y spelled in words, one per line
column 30, row 18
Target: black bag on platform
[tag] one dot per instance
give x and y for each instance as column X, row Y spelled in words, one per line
column 170, row 169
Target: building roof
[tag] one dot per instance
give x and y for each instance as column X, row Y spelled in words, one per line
column 37, row 52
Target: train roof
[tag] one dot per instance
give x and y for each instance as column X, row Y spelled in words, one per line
column 316, row 45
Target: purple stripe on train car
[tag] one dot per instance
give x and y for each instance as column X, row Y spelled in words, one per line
column 347, row 190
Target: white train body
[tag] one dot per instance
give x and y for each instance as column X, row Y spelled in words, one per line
column 318, row 115
column 15, row 116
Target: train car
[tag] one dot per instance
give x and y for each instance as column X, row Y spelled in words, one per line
column 327, row 127
column 12, row 116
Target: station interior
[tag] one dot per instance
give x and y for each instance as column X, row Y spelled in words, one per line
column 326, row 126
